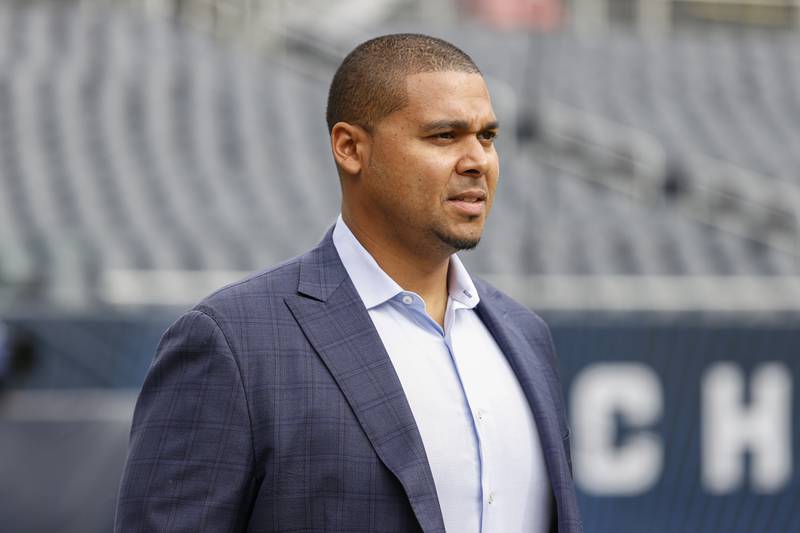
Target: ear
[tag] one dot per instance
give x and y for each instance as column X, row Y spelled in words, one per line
column 350, row 146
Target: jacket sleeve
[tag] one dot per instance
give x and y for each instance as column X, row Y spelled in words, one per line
column 190, row 463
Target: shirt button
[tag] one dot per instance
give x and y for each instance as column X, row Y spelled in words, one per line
column 490, row 499
column 408, row 300
column 481, row 413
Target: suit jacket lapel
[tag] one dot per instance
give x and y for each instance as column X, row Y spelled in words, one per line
column 335, row 321
column 534, row 376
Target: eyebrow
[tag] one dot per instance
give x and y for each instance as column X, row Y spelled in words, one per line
column 448, row 124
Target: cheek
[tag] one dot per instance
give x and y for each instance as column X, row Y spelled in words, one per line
column 426, row 175
column 492, row 183
column 493, row 176
column 492, row 179
column 439, row 169
column 414, row 175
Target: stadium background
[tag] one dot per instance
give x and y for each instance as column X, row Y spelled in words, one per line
column 151, row 151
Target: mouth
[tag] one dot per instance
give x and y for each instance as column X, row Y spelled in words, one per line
column 469, row 203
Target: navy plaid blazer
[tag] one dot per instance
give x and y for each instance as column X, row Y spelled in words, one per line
column 273, row 406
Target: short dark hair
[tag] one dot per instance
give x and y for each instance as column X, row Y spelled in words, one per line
column 370, row 82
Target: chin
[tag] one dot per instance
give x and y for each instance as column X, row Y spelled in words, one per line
column 459, row 242
column 465, row 244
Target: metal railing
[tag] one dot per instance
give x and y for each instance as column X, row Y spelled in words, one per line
column 630, row 161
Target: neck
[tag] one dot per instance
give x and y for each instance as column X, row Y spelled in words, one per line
column 414, row 270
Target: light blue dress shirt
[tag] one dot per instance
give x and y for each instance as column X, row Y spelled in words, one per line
column 475, row 422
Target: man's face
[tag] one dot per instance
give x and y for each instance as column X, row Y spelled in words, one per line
column 432, row 168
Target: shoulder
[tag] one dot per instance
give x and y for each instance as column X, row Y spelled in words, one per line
column 274, row 281
column 260, row 294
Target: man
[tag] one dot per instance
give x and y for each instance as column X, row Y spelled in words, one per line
column 370, row 385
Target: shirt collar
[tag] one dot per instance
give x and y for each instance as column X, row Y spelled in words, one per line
column 461, row 288
column 375, row 287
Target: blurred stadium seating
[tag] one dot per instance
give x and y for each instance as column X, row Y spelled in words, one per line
column 150, row 156
column 133, row 148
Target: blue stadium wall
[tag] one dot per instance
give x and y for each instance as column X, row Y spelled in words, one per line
column 685, row 355
column 42, row 460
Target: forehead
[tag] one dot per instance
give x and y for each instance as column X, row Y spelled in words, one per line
column 448, row 95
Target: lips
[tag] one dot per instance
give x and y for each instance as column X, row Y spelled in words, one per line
column 469, row 203
column 475, row 195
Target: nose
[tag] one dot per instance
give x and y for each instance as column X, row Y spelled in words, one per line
column 475, row 160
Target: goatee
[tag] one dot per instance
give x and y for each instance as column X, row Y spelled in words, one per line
column 457, row 243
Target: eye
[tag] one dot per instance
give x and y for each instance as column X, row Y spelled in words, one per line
column 448, row 135
column 487, row 136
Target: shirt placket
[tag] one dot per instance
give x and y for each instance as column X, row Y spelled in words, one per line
column 415, row 305
column 478, row 415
